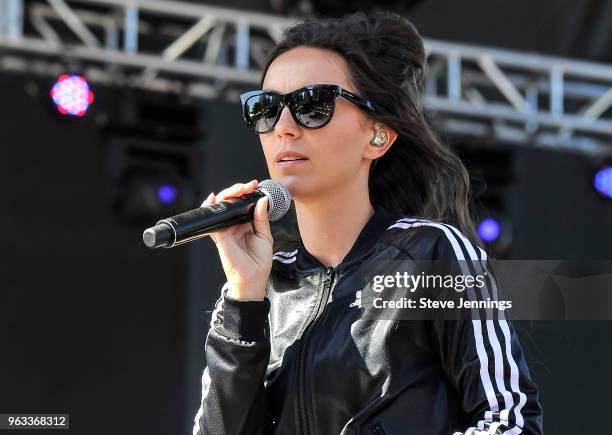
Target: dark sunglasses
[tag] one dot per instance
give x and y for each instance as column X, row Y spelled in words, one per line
column 311, row 106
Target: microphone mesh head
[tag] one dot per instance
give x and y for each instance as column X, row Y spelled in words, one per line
column 279, row 198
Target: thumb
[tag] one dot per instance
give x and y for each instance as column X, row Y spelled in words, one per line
column 260, row 221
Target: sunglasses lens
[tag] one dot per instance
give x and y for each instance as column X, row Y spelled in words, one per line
column 313, row 107
column 261, row 111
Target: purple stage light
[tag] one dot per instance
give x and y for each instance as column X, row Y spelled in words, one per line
column 166, row 193
column 489, row 230
column 603, row 181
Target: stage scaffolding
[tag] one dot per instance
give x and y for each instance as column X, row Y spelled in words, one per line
column 215, row 53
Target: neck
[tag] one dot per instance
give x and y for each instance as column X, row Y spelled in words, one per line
column 330, row 224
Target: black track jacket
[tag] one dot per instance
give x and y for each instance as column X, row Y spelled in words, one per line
column 303, row 362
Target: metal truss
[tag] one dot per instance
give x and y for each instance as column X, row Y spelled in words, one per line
column 523, row 98
column 211, row 52
column 154, row 44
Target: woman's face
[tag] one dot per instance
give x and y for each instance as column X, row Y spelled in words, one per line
column 336, row 154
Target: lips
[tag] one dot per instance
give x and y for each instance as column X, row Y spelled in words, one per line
column 287, row 163
column 289, row 156
column 290, row 159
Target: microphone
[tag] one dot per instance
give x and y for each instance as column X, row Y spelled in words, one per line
column 202, row 221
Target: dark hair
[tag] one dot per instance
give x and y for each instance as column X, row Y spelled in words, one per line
column 419, row 175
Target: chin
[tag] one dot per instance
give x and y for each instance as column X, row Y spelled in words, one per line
column 299, row 186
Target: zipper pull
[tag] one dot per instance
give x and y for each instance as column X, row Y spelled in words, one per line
column 328, row 273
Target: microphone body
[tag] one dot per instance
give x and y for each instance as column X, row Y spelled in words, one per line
column 202, row 221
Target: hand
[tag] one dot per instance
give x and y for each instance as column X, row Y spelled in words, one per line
column 246, row 256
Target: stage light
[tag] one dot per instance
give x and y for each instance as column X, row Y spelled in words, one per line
column 489, row 230
column 603, row 181
column 148, row 195
column 167, row 193
column 71, row 95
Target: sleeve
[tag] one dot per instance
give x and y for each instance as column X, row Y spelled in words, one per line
column 482, row 356
column 237, row 352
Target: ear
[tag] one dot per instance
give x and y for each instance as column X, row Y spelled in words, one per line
column 373, row 152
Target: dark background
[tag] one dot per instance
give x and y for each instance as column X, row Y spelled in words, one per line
column 96, row 325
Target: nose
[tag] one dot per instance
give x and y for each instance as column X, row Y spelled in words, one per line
column 286, row 125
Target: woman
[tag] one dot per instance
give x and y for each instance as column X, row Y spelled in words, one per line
column 340, row 121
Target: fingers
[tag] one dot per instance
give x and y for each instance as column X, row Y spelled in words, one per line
column 234, row 191
column 209, row 200
column 260, row 221
column 237, row 190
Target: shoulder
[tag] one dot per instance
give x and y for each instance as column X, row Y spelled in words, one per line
column 428, row 239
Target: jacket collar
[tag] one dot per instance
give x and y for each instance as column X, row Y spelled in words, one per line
column 370, row 233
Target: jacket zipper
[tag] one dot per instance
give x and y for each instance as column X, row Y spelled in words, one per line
column 327, row 283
